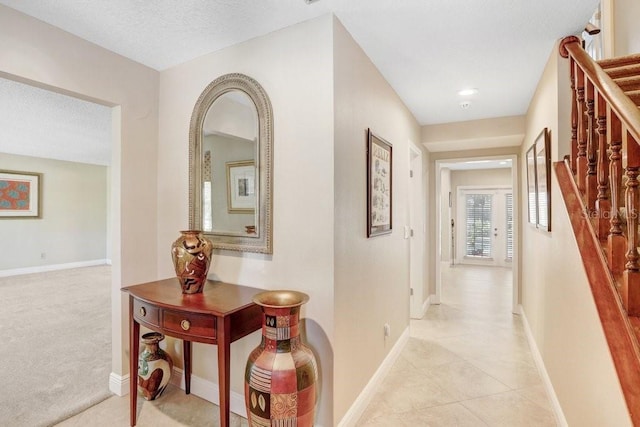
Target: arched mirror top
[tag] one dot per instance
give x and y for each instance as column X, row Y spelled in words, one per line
column 231, row 166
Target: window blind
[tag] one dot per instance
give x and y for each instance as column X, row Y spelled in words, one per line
column 478, row 225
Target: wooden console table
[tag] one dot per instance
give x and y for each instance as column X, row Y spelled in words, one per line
column 221, row 314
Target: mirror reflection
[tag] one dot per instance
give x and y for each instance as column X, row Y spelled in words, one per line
column 229, row 163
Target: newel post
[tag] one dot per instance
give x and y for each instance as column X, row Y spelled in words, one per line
column 578, row 123
column 630, row 291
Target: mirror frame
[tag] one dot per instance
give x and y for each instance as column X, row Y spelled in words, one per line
column 263, row 242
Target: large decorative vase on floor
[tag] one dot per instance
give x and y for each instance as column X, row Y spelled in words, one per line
column 281, row 373
column 154, row 367
column 191, row 254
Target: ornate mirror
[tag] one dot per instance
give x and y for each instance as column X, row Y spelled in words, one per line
column 230, row 165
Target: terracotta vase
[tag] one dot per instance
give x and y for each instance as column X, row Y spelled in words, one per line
column 191, row 254
column 154, row 367
column 281, row 373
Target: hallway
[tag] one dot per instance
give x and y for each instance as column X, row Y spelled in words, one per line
column 467, row 362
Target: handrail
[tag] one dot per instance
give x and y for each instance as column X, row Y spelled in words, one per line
column 628, row 113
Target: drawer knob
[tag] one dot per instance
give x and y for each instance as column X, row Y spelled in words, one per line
column 185, row 324
column 143, row 311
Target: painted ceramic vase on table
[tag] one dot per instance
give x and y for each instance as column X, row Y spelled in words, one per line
column 191, row 254
column 154, row 367
column 281, row 373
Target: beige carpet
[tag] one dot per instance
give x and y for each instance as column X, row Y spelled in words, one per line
column 55, row 352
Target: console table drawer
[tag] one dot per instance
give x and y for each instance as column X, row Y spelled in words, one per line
column 189, row 324
column 146, row 313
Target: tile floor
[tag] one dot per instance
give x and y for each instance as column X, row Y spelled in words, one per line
column 467, row 363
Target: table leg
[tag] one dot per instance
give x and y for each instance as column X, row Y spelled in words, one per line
column 224, row 360
column 186, row 352
column 134, row 348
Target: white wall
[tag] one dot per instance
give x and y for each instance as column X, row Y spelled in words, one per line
column 371, row 275
column 556, row 296
column 73, row 226
column 37, row 53
column 294, row 66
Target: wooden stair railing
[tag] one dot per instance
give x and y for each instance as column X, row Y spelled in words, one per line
column 605, row 165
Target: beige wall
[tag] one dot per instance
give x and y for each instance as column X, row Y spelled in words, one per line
column 295, row 66
column 36, row 53
column 371, row 275
column 496, row 132
column 73, row 227
column 626, row 14
column 556, row 297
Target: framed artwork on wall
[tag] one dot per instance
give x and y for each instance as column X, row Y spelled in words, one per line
column 20, row 194
column 379, row 185
column 241, row 186
column 532, row 196
column 543, row 179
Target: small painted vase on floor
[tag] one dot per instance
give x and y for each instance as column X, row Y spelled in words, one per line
column 281, row 373
column 191, row 254
column 154, row 367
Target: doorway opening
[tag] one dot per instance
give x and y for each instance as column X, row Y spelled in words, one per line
column 476, row 218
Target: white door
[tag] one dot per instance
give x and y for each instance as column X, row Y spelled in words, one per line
column 485, row 226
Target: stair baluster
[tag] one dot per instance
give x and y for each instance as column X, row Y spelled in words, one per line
column 616, row 241
column 603, row 207
column 629, row 292
column 592, row 159
column 581, row 166
column 574, row 117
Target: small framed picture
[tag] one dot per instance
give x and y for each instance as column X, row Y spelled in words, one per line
column 20, row 194
column 543, row 179
column 241, row 187
column 379, row 185
column 532, row 195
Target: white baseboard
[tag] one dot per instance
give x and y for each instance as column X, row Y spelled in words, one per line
column 426, row 306
column 209, row 391
column 119, row 384
column 434, row 299
column 362, row 401
column 205, row 389
column 537, row 358
column 53, row 267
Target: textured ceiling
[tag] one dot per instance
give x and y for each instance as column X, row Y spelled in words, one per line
column 40, row 123
column 426, row 49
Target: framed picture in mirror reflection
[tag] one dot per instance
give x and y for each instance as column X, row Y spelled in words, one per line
column 241, row 186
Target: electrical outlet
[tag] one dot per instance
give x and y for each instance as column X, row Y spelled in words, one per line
column 387, row 330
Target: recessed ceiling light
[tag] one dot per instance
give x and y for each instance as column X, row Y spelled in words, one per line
column 467, row 92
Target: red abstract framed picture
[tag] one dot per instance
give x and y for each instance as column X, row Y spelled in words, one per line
column 20, row 194
column 379, row 201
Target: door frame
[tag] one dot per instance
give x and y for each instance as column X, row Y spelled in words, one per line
column 516, row 224
column 418, row 304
